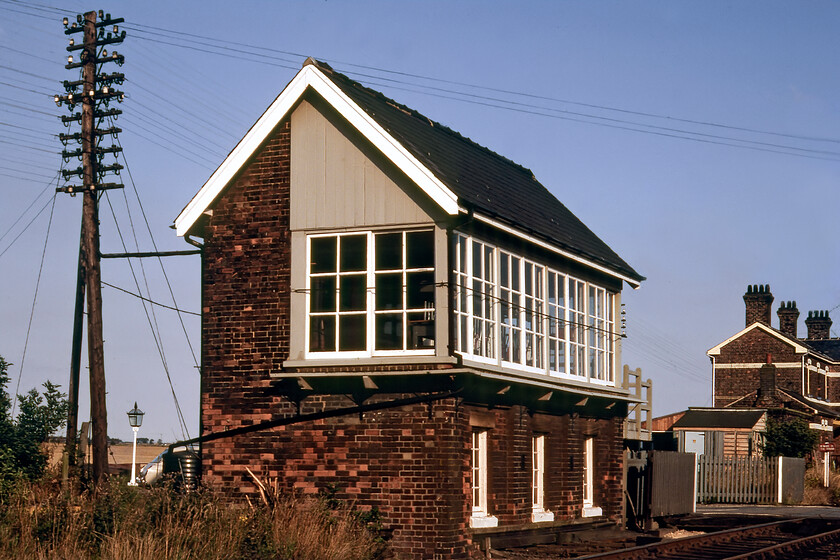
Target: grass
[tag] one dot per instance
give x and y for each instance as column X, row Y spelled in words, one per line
column 818, row 495
column 40, row 521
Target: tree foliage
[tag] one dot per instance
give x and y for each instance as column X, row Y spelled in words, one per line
column 21, row 437
column 789, row 438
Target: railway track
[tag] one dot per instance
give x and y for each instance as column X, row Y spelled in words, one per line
column 790, row 539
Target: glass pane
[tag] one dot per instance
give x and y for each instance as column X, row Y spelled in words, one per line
column 389, row 291
column 389, row 251
column 352, row 292
column 353, row 253
column 488, row 263
column 476, row 255
column 462, row 254
column 421, row 331
column 514, row 273
column 529, row 278
column 420, row 249
column 552, row 288
column 389, row 331
column 504, row 270
column 322, row 293
column 322, row 334
column 351, row 332
column 420, row 290
column 322, row 254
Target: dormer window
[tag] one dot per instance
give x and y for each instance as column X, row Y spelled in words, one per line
column 371, row 293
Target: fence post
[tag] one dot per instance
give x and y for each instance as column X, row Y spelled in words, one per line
column 779, row 486
column 696, row 483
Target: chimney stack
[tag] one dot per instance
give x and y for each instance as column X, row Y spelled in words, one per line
column 819, row 325
column 788, row 318
column 759, row 302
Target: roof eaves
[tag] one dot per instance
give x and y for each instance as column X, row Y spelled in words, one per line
column 634, row 280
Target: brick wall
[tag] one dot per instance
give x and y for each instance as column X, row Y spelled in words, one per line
column 753, row 348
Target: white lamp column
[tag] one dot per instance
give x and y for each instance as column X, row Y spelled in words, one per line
column 135, row 419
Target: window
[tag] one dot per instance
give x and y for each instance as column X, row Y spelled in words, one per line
column 371, row 293
column 513, row 312
column 589, row 509
column 475, row 299
column 480, row 513
column 538, row 511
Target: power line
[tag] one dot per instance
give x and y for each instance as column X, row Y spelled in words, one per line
column 32, row 309
column 153, row 302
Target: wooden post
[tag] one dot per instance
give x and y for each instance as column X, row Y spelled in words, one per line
column 90, row 249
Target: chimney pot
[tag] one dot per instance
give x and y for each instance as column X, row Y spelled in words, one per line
column 819, row 325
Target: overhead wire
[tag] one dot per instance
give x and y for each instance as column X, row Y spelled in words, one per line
column 152, row 320
column 32, row 309
column 153, row 302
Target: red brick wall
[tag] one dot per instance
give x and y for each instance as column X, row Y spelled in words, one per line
column 752, row 348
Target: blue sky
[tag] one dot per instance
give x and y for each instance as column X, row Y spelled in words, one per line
column 698, row 139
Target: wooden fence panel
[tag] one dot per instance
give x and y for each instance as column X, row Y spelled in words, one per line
column 671, row 483
column 737, row 480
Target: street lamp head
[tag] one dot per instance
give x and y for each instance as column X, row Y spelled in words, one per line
column 135, row 417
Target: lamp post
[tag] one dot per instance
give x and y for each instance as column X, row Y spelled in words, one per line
column 135, row 419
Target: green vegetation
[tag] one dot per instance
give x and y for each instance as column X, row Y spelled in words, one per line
column 21, row 456
column 789, row 438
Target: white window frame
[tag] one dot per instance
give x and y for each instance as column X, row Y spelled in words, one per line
column 586, row 334
column 370, row 311
column 589, row 508
column 480, row 516
column 538, row 512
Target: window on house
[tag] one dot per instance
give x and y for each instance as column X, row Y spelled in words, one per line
column 543, row 320
column 371, row 292
column 538, row 511
column 589, row 508
column 480, row 512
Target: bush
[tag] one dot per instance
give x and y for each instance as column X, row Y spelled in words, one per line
column 789, row 438
column 21, row 456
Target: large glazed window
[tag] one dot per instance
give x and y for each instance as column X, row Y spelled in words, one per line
column 371, row 293
column 539, row 319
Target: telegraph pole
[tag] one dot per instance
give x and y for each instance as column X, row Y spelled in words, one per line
column 95, row 93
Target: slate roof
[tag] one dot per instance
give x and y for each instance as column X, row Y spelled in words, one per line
column 823, row 409
column 719, row 418
column 482, row 179
column 827, row 346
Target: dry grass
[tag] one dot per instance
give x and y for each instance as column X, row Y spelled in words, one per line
column 818, row 495
column 39, row 521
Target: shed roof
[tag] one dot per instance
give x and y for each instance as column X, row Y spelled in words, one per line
column 720, row 418
column 445, row 164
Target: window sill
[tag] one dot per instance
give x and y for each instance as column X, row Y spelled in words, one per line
column 542, row 516
column 591, row 512
column 369, row 361
column 483, row 521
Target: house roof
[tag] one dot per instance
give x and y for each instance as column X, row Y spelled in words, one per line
column 829, row 347
column 458, row 174
column 799, row 346
column 826, row 348
column 719, row 418
column 819, row 408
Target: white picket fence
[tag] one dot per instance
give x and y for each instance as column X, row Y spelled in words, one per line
column 738, row 480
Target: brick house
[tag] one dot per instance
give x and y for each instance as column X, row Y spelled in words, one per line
column 356, row 253
column 772, row 368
